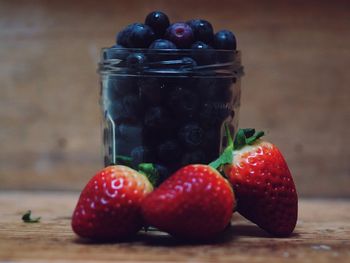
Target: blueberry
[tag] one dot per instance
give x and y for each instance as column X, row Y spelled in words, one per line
column 115, row 52
column 130, row 132
column 141, row 154
column 163, row 172
column 150, row 91
column 215, row 89
column 203, row 53
column 200, row 45
column 162, row 44
column 128, row 109
column 202, row 30
column 180, row 34
column 140, row 36
column 170, row 84
column 211, row 145
column 191, row 135
column 212, row 137
column 115, row 109
column 224, row 90
column 156, row 118
column 206, row 88
column 118, row 86
column 123, row 147
column 169, row 152
column 183, row 103
column 136, row 60
column 158, row 21
column 212, row 114
column 122, row 37
column 132, row 106
column 225, row 40
column 195, row 157
column 158, row 125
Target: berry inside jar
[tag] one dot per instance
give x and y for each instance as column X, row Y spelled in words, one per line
column 167, row 90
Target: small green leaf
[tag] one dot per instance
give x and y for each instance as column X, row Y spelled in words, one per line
column 255, row 137
column 149, row 170
column 240, row 139
column 225, row 158
column 249, row 132
column 27, row 218
column 123, row 160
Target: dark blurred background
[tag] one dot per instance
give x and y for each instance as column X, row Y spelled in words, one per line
column 296, row 56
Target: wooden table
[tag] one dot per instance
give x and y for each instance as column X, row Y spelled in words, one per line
column 322, row 235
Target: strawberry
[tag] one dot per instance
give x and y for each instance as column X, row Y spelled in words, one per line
column 109, row 207
column 262, row 182
column 195, row 203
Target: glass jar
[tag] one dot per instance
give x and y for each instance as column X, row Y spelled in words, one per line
column 168, row 107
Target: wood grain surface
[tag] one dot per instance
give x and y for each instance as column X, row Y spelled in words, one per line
column 296, row 56
column 322, row 235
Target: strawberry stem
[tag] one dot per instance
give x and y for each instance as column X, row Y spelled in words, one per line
column 228, row 135
column 227, row 155
column 149, row 170
column 244, row 137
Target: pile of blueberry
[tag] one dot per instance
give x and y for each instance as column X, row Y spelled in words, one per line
column 165, row 119
column 158, row 33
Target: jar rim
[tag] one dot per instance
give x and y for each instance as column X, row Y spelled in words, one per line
column 177, row 50
column 171, row 62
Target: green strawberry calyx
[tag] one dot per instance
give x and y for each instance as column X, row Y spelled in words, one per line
column 123, row 160
column 244, row 137
column 147, row 169
column 150, row 171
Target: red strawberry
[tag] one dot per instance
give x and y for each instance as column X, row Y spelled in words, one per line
column 194, row 203
column 262, row 183
column 109, row 207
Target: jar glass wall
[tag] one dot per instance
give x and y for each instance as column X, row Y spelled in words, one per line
column 168, row 107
